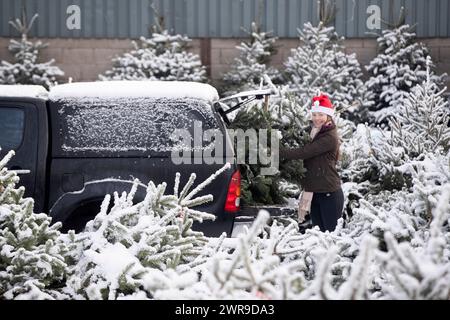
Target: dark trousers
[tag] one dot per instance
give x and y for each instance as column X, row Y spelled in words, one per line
column 326, row 209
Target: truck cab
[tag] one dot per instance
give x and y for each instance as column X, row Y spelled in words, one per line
column 81, row 141
column 24, row 128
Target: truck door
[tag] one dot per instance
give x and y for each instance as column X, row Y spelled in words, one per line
column 19, row 132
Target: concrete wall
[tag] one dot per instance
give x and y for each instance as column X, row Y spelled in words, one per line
column 84, row 59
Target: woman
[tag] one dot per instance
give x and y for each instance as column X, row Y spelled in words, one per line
column 322, row 194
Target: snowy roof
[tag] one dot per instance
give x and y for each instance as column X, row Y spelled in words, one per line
column 135, row 89
column 22, row 90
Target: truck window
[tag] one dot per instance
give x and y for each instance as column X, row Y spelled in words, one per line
column 11, row 127
column 125, row 125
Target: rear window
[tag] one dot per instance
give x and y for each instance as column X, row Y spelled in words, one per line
column 11, row 127
column 125, row 125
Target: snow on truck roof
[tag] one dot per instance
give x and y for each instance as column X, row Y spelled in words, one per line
column 23, row 91
column 134, row 89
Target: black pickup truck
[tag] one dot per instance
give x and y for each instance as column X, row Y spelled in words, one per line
column 81, row 141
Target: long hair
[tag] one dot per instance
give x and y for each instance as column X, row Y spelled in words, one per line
column 338, row 152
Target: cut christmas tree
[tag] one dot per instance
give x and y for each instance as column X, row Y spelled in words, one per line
column 32, row 257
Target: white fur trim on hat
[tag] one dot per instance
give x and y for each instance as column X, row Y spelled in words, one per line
column 328, row 111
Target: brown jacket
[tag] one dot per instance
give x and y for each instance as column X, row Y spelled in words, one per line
column 319, row 158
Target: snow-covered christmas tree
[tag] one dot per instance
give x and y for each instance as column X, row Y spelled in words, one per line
column 420, row 122
column 253, row 61
column 161, row 57
column 32, row 258
column 376, row 255
column 26, row 69
column 319, row 64
column 395, row 246
column 398, row 67
column 420, row 270
column 123, row 247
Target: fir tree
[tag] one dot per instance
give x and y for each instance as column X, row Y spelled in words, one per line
column 355, row 278
column 32, row 259
column 418, row 127
column 291, row 118
column 374, row 160
column 420, row 122
column 320, row 64
column 388, row 249
column 254, row 56
column 26, row 69
column 420, row 268
column 369, row 162
column 125, row 244
column 249, row 267
column 256, row 188
column 409, row 226
column 398, row 67
column 287, row 116
column 160, row 57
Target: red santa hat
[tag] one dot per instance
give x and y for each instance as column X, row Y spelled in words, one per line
column 322, row 104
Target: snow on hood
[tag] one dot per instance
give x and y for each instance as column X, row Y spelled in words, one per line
column 135, row 89
column 23, row 90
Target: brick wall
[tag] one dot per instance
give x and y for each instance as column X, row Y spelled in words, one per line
column 84, row 59
column 81, row 59
column 223, row 52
